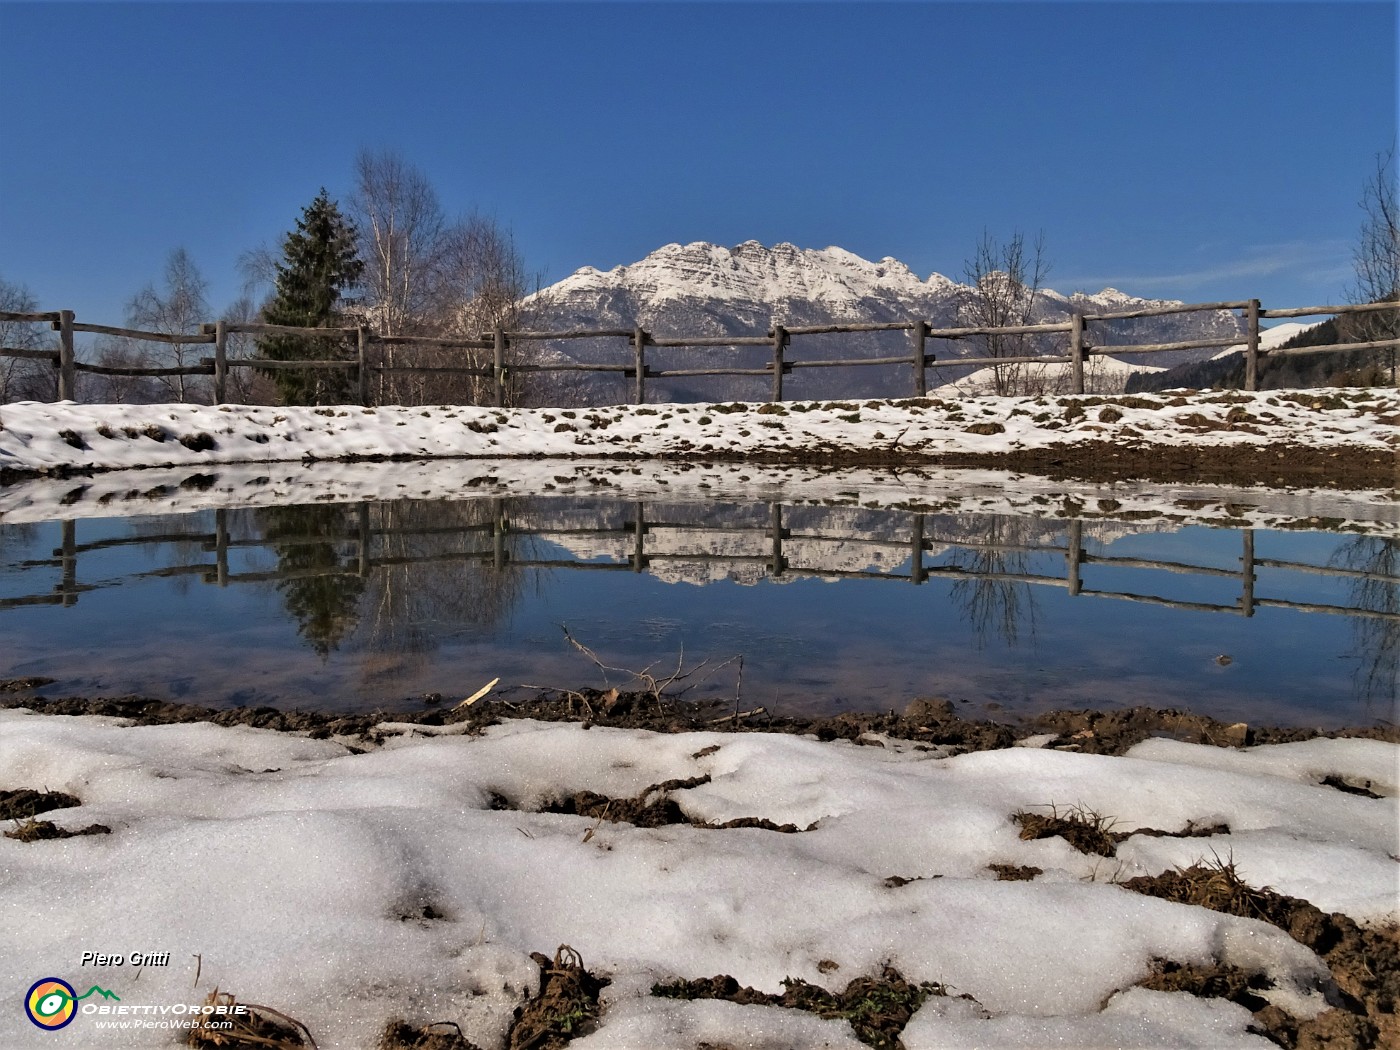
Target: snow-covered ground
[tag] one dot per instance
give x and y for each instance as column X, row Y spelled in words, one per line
column 1270, row 338
column 414, row 879
column 39, row 437
column 1101, row 373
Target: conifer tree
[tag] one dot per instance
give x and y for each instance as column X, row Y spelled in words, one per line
column 319, row 266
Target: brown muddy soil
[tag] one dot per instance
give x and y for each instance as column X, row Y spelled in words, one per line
column 929, row 721
column 1350, row 468
column 1365, row 961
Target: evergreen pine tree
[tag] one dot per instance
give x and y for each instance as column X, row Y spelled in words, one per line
column 319, row 266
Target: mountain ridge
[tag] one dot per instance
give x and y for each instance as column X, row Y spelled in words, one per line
column 707, row 290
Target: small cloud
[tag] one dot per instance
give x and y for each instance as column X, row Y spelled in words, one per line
column 1316, row 261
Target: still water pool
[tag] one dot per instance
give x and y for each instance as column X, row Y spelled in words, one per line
column 834, row 600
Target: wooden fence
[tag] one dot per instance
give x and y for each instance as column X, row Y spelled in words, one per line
column 777, row 338
column 504, row 554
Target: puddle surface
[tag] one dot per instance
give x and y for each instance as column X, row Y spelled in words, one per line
column 1033, row 604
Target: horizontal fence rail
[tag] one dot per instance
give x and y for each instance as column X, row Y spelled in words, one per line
column 778, row 338
column 774, row 537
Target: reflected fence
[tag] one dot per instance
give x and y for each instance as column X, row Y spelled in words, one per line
column 644, row 538
column 362, row 345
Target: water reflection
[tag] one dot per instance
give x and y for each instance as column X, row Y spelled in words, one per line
column 837, row 605
column 1375, row 589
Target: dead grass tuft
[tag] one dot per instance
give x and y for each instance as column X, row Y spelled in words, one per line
column 260, row 1028
column 1083, row 828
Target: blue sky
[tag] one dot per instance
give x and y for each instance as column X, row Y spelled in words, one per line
column 1181, row 150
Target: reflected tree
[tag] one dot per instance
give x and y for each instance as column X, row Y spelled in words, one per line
column 436, row 574
column 319, row 584
column 1377, row 639
column 996, row 608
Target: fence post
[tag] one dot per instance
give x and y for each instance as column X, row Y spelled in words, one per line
column 1251, row 353
column 639, row 359
column 1076, row 351
column 69, row 587
column 917, row 572
column 67, row 374
column 920, row 336
column 498, row 367
column 780, row 340
column 1074, row 550
column 362, row 363
column 776, row 530
column 220, row 362
column 221, row 544
column 1247, row 574
column 499, row 525
column 639, row 558
column 362, row 539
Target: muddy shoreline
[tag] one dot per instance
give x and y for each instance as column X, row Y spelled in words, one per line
column 1090, row 461
column 930, row 721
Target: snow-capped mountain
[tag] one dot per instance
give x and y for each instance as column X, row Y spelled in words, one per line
column 703, row 289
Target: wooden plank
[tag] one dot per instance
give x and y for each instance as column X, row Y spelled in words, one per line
column 1161, row 348
column 1020, row 329
column 30, row 355
column 1158, row 311
column 824, row 329
column 432, row 370
column 145, row 337
column 709, row 340
column 1334, row 348
column 1349, row 308
column 854, row 362
column 258, row 362
column 602, row 333
column 951, row 362
column 668, row 373
column 49, row 316
column 423, row 340
column 252, row 328
column 105, row 370
column 1340, row 610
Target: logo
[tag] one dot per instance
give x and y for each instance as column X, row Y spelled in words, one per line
column 52, row 1002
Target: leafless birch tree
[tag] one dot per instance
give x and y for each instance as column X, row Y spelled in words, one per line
column 179, row 309
column 1003, row 281
column 1376, row 258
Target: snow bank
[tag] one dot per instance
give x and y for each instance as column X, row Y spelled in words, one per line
column 65, row 435
column 345, row 888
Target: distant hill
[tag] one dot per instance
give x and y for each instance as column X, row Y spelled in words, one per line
column 1226, row 370
column 703, row 289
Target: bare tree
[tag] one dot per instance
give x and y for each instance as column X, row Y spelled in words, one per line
column 21, row 379
column 1376, row 258
column 402, row 230
column 246, row 386
column 1003, row 281
column 179, row 309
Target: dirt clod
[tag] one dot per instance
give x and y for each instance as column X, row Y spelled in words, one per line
column 565, row 1008
column 39, row 830
column 25, row 803
column 442, row 1035
column 877, row 1008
